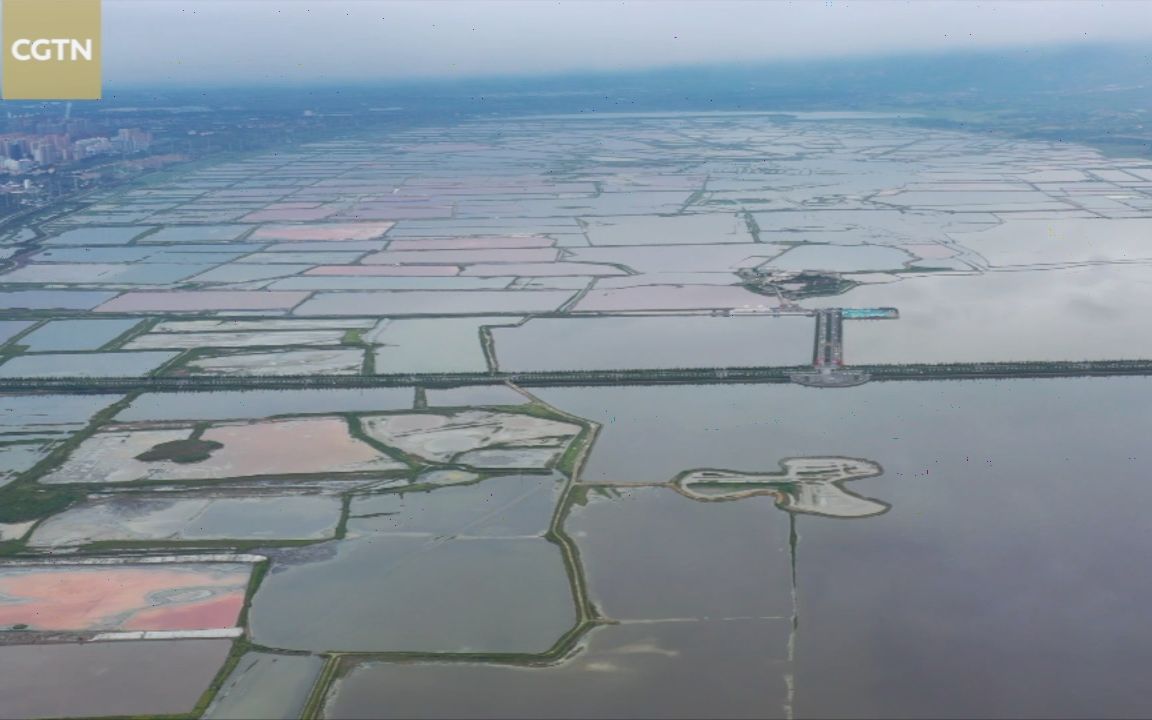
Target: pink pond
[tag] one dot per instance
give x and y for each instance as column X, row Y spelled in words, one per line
column 671, row 297
column 386, row 270
column 290, row 447
column 192, row 300
column 192, row 596
column 323, row 231
column 472, row 243
column 556, row 269
column 428, row 257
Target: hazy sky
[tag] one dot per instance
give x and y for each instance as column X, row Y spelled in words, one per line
column 197, row 41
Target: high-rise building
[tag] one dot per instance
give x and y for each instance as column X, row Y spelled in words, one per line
column 133, row 140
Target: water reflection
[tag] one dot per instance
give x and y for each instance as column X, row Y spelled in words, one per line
column 653, row 559
column 686, row 592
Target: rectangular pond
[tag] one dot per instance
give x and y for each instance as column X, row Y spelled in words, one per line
column 155, row 677
column 654, row 342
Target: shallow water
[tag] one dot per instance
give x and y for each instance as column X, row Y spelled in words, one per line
column 82, row 364
column 1045, row 242
column 76, row 334
column 246, row 273
column 999, row 569
column 16, row 458
column 96, row 236
column 683, row 229
column 291, row 362
column 717, row 669
column 841, row 258
column 434, row 345
column 53, row 299
column 52, row 413
column 180, row 301
column 402, row 602
column 507, row 506
column 12, row 328
column 1086, row 313
column 234, row 339
column 198, row 233
column 672, row 297
column 395, row 283
column 111, row 678
column 1004, row 533
column 1029, row 427
column 431, row 302
column 653, row 342
column 681, row 258
column 131, row 519
column 264, row 685
column 652, row 554
column 474, row 395
column 253, row 404
column 161, row 596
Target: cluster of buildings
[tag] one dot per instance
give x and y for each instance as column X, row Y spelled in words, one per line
column 22, row 153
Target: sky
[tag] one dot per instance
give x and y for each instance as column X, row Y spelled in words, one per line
column 252, row 41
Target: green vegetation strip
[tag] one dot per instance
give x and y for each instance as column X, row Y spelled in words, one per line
column 639, row 376
column 314, row 706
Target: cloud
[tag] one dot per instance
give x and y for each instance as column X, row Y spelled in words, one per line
column 204, row 41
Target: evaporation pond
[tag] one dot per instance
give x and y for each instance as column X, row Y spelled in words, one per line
column 53, row 299
column 158, row 596
column 653, row 554
column 264, row 685
column 112, row 364
column 58, row 413
column 436, row 595
column 76, row 334
column 430, row 302
column 654, row 342
column 429, row 346
column 474, row 395
column 714, row 669
column 12, row 328
column 253, row 404
column 507, row 506
column 91, row 235
column 841, row 258
column 992, row 520
column 126, row 678
column 130, row 519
